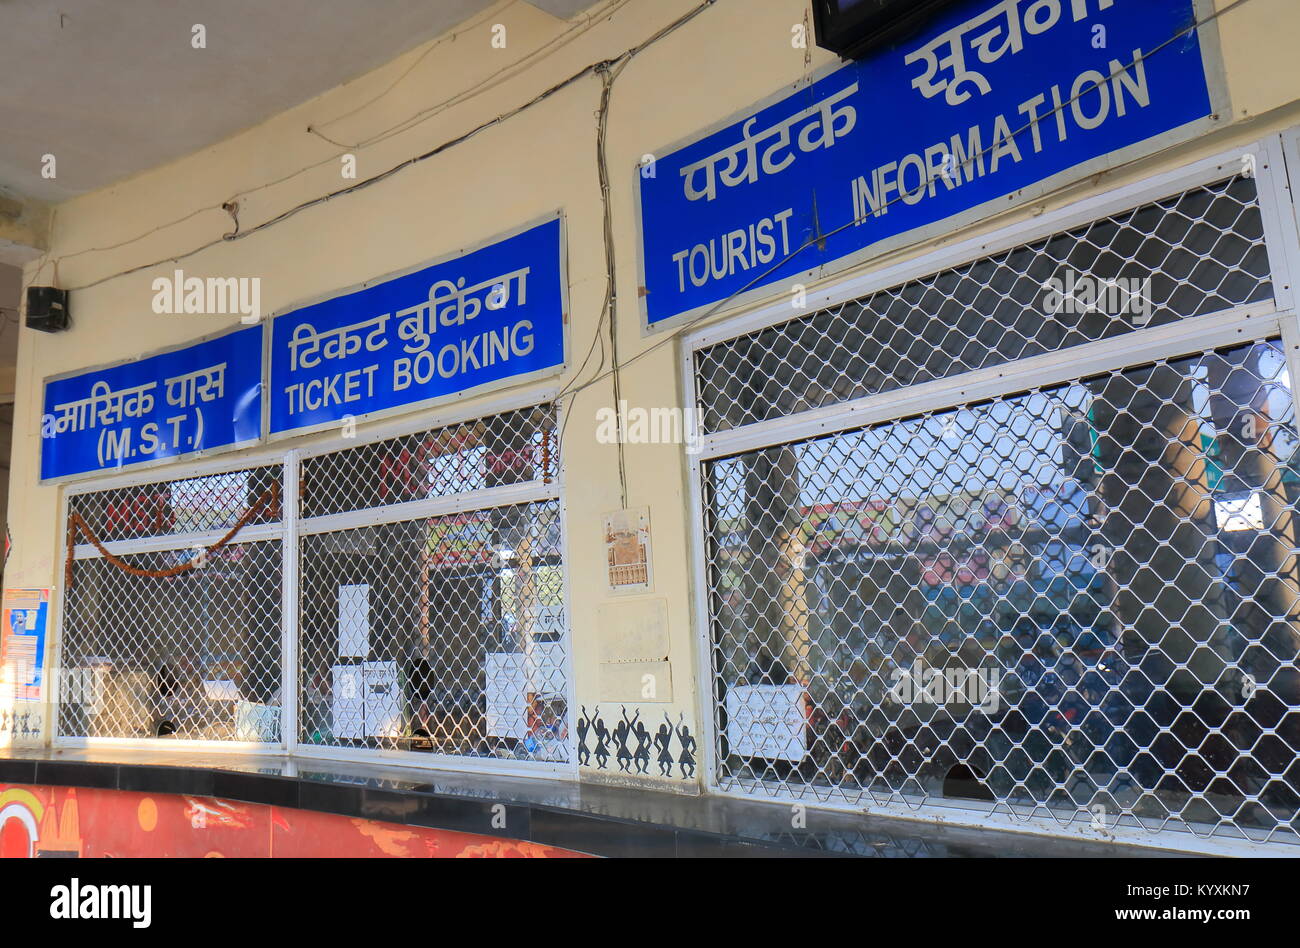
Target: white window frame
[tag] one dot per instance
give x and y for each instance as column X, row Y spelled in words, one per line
column 483, row 499
column 172, row 541
column 1187, row 336
column 288, row 531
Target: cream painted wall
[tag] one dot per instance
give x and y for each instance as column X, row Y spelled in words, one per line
column 733, row 54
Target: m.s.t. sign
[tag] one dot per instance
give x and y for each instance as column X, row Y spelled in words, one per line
column 992, row 103
column 191, row 400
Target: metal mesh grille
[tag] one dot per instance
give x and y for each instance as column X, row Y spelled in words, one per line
column 442, row 634
column 509, row 448
column 447, row 633
column 195, row 656
column 1082, row 598
column 1203, row 250
column 187, row 505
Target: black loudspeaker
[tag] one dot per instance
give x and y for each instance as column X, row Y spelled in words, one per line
column 854, row 28
column 47, row 308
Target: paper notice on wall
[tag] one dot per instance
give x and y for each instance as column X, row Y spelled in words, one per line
column 221, row 689
column 22, row 643
column 354, row 621
column 627, row 547
column 507, row 685
column 86, row 685
column 766, row 721
column 633, row 630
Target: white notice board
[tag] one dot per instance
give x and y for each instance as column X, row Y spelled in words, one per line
column 766, row 721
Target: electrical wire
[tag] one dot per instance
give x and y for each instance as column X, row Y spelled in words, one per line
column 215, row 242
column 602, row 166
column 492, row 81
column 609, row 73
column 240, row 234
column 503, row 75
column 608, row 70
column 721, row 304
column 493, row 13
column 349, row 189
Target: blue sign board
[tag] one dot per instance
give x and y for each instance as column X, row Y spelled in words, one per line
column 476, row 320
column 198, row 398
column 992, row 103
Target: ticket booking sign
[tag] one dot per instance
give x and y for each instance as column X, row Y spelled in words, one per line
column 196, row 399
column 472, row 322
column 995, row 102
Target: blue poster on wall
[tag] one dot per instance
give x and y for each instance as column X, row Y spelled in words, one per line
column 23, row 627
column 195, row 399
column 480, row 319
column 993, row 103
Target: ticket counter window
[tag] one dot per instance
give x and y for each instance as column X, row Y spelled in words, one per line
column 1065, row 586
column 170, row 637
column 442, row 634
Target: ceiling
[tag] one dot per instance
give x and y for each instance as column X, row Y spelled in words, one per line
column 114, row 87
